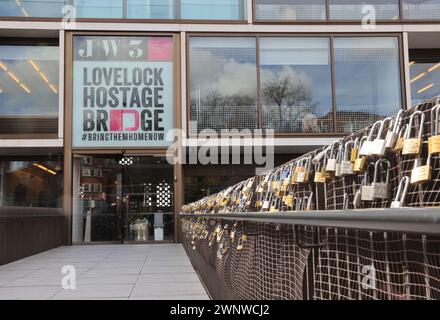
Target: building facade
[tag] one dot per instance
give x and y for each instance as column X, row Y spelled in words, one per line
column 91, row 90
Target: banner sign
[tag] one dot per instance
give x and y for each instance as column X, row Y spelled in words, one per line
column 122, row 91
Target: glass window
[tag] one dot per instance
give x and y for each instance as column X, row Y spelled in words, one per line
column 425, row 75
column 223, row 85
column 367, row 80
column 213, row 9
column 290, row 9
column 150, row 9
column 28, row 88
column 99, row 8
column 353, row 9
column 31, row 8
column 421, row 9
column 31, row 182
column 296, row 84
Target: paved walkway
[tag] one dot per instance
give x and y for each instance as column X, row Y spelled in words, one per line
column 156, row 271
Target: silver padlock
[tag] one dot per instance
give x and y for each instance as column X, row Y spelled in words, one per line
column 399, row 201
column 392, row 135
column 378, row 145
column 381, row 188
column 346, row 164
column 338, row 161
column 357, row 199
column 366, row 187
column 367, row 145
column 331, row 159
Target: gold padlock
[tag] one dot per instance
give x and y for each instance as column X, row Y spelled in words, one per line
column 421, row 174
column 412, row 146
column 320, row 177
column 288, row 201
column 359, row 164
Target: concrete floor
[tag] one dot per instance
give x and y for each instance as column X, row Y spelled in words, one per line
column 156, row 271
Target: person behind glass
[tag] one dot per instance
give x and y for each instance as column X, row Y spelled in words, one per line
column 100, row 219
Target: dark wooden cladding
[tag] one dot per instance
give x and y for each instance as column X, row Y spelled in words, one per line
column 28, row 125
column 28, row 231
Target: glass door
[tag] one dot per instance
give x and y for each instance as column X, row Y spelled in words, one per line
column 122, row 198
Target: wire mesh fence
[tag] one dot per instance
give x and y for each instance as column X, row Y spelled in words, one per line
column 269, row 261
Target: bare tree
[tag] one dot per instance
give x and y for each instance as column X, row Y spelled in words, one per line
column 285, row 91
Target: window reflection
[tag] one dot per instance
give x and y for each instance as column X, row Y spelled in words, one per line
column 358, row 9
column 367, row 80
column 223, row 87
column 296, row 84
column 424, row 75
column 31, row 182
column 421, row 9
column 212, row 9
column 152, row 9
column 31, row 8
column 290, row 9
column 29, row 88
column 98, row 8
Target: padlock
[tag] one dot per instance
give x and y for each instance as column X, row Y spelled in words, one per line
column 330, row 165
column 267, row 200
column 339, row 156
column 345, row 203
column 434, row 140
column 320, row 175
column 367, row 145
column 412, row 146
column 289, row 201
column 241, row 242
column 400, row 138
column 286, row 176
column 399, row 201
column 421, row 174
column 380, row 187
column 357, row 199
column 360, row 161
column 392, row 135
column 294, row 172
column 366, row 187
column 378, row 145
column 354, row 150
column 307, row 202
column 303, row 170
column 346, row 166
column 275, row 205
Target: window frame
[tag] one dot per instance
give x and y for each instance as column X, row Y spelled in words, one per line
column 124, row 19
column 257, row 36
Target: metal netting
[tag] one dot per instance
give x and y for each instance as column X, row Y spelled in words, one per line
column 323, row 263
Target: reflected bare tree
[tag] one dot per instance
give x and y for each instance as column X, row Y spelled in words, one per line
column 291, row 94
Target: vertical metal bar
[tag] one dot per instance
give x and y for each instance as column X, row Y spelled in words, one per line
column 387, row 266
column 425, row 268
column 405, row 267
column 328, row 266
column 358, row 265
column 332, row 66
column 372, row 261
column 338, row 282
column 347, row 254
column 320, row 266
column 406, row 70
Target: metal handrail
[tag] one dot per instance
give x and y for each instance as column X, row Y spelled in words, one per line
column 407, row 220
